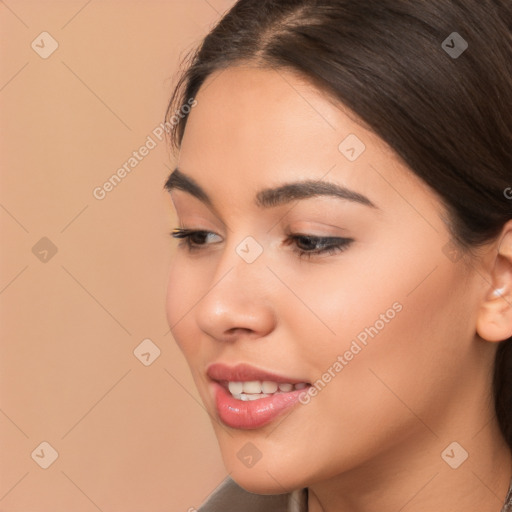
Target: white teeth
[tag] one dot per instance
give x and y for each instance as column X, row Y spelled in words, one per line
column 255, row 389
column 268, row 386
column 252, row 386
column 235, row 388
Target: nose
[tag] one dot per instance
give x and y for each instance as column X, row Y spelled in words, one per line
column 238, row 302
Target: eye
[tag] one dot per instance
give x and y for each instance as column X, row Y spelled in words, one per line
column 305, row 246
column 193, row 238
column 310, row 245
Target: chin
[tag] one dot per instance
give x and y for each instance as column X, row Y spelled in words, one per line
column 262, row 483
column 264, row 478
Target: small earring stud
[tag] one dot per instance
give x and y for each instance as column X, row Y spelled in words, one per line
column 498, row 292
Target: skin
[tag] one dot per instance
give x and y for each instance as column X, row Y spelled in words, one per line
column 373, row 437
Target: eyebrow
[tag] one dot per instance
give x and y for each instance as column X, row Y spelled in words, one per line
column 271, row 197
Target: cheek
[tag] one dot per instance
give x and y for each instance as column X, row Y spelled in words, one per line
column 332, row 306
column 182, row 293
column 405, row 345
column 174, row 288
column 405, row 320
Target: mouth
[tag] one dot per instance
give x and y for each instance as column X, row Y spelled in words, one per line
column 247, row 397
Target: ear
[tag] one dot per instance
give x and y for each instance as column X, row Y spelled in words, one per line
column 494, row 321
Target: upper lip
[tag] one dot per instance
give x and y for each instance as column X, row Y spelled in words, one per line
column 244, row 372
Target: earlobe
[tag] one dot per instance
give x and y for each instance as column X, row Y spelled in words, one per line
column 494, row 322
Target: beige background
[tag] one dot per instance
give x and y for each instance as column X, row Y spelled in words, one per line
column 129, row 437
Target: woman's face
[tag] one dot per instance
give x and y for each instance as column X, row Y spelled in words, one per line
column 383, row 323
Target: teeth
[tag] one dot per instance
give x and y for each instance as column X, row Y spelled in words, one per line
column 268, row 387
column 255, row 389
column 252, row 386
column 235, row 388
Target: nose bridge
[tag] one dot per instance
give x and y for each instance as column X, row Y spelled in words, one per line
column 241, row 269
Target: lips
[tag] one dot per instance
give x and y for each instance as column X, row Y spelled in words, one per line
column 260, row 396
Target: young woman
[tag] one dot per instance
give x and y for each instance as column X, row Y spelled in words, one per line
column 342, row 289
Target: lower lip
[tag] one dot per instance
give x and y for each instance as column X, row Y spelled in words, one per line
column 252, row 414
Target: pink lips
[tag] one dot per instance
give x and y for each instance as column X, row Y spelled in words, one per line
column 249, row 414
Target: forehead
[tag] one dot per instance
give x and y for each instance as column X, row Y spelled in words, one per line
column 263, row 112
column 255, row 127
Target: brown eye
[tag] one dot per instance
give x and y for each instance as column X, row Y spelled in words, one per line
column 193, row 239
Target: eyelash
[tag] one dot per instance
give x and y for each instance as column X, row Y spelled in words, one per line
column 332, row 245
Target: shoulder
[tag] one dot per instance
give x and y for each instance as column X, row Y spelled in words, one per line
column 230, row 497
